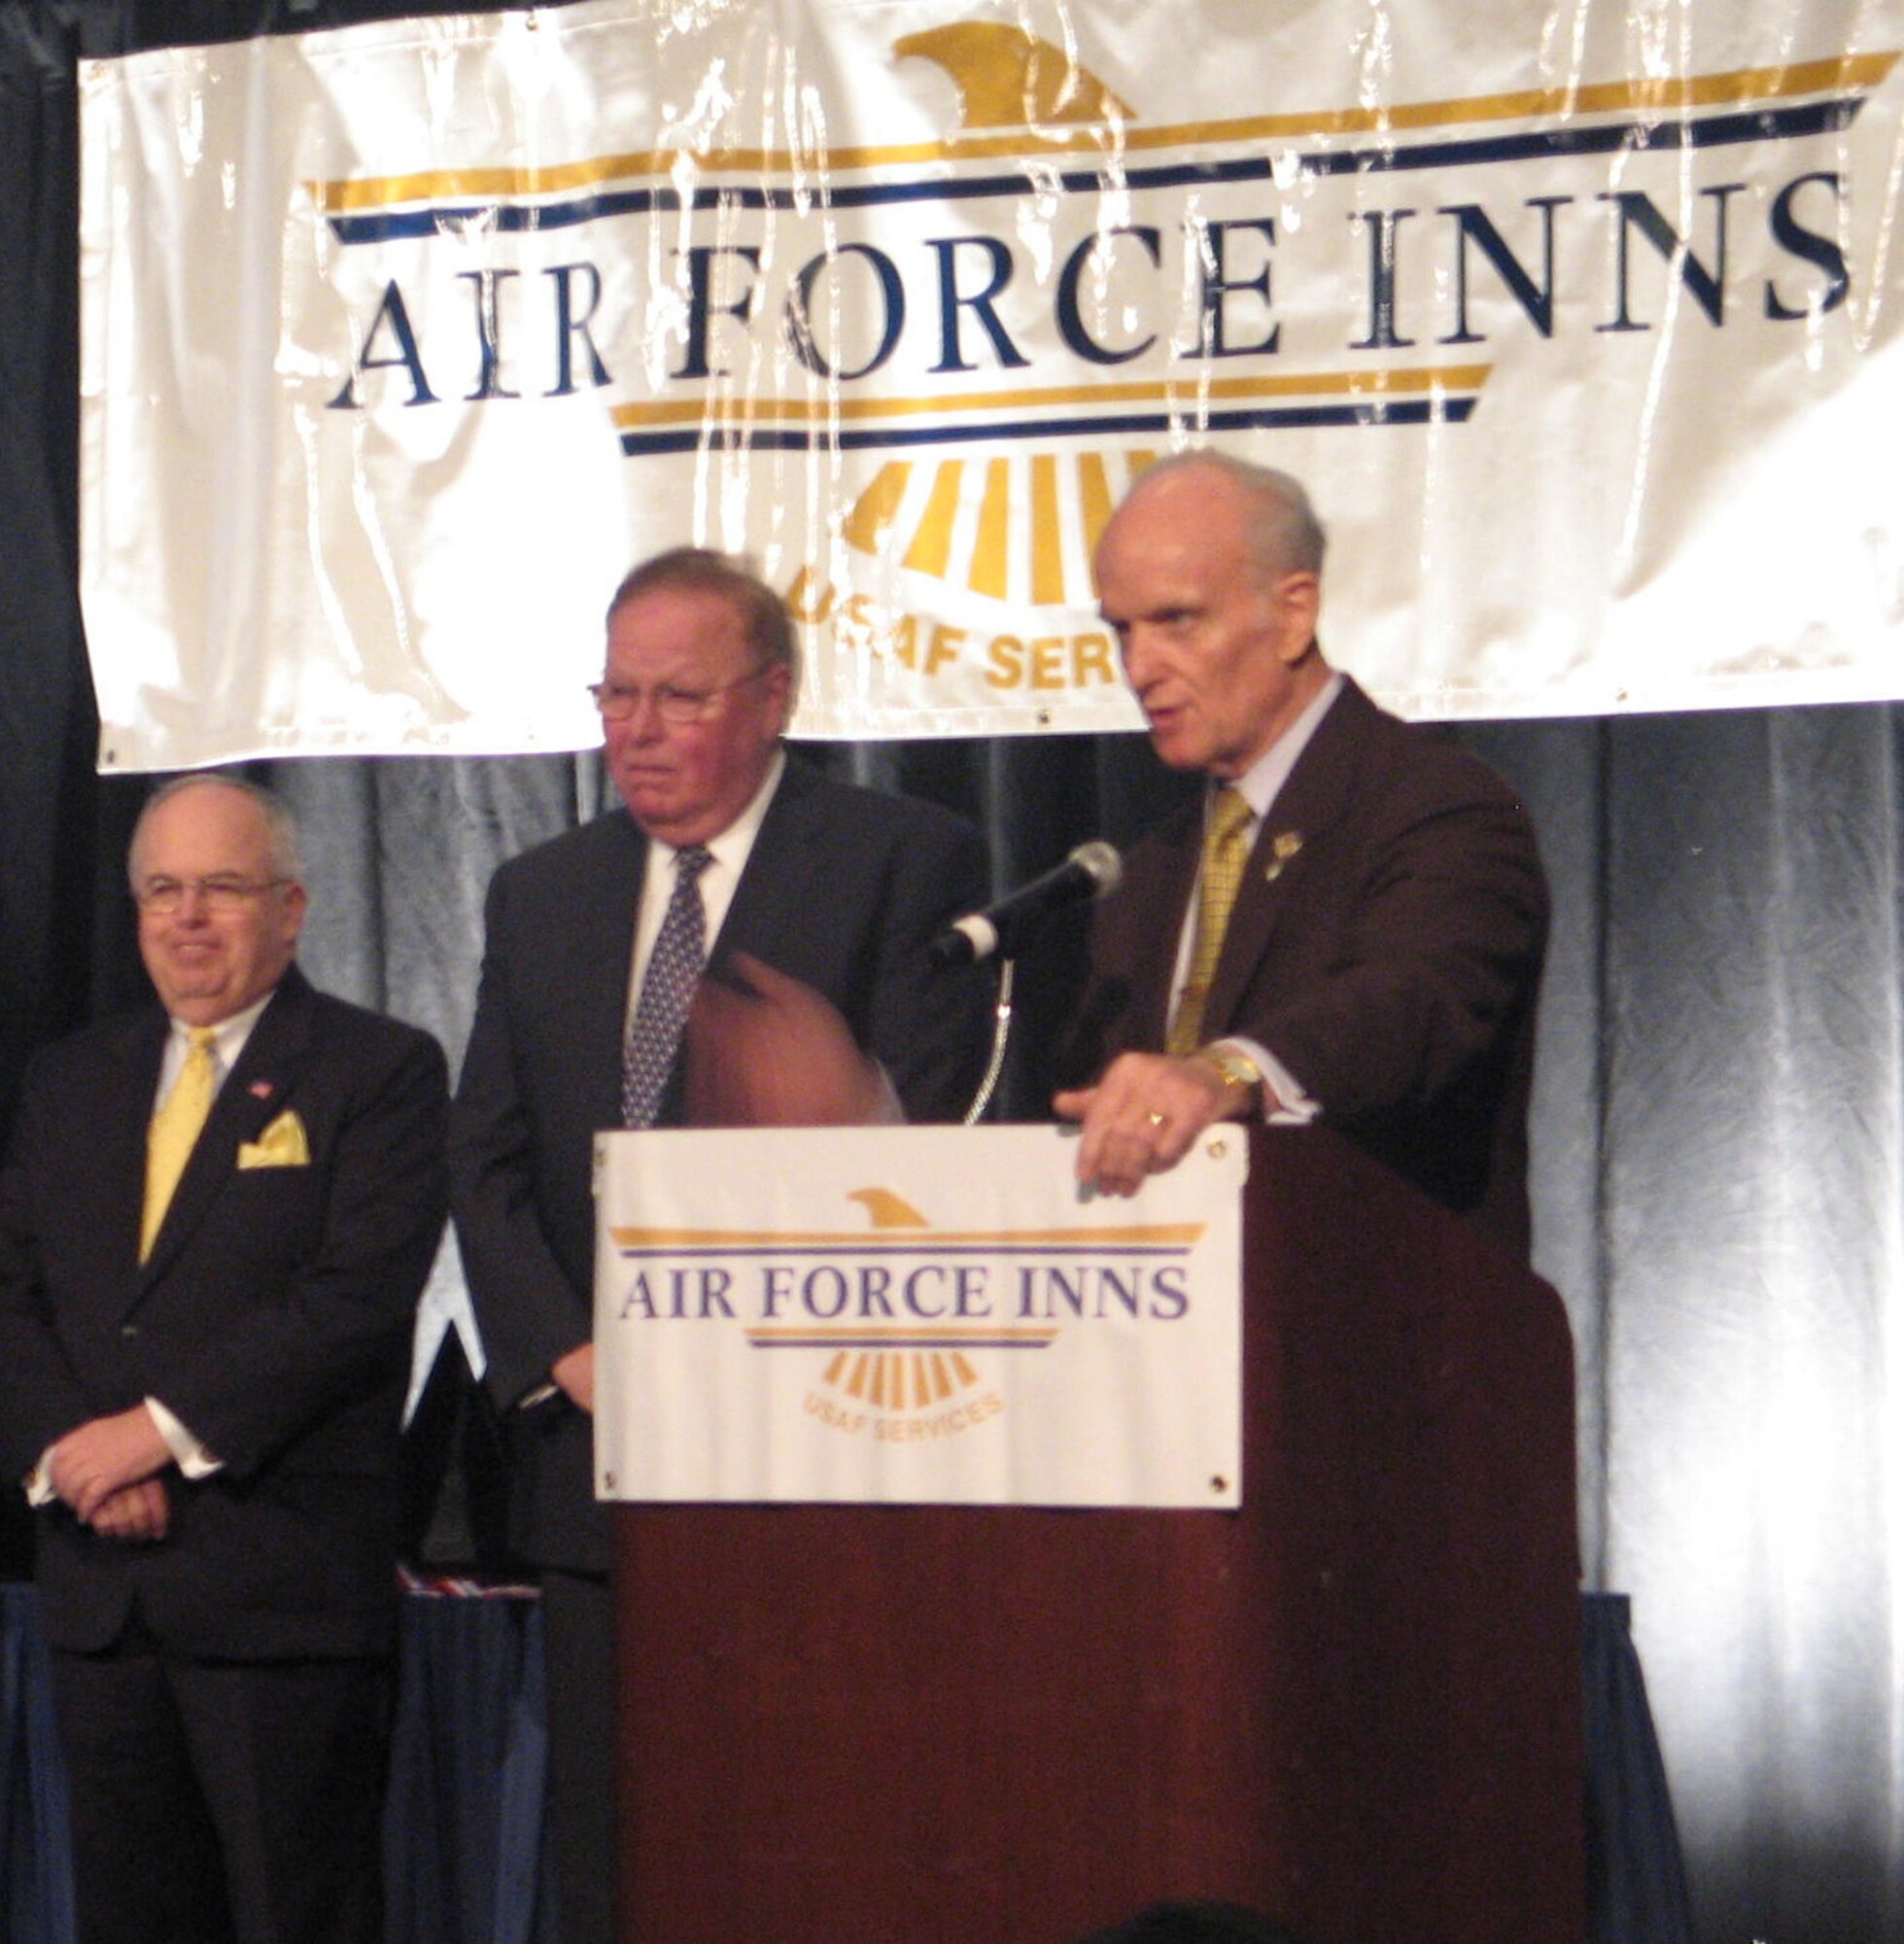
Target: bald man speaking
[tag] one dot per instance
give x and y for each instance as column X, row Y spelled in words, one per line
column 1347, row 925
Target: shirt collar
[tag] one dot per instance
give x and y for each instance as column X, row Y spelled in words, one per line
column 229, row 1037
column 729, row 847
column 1263, row 781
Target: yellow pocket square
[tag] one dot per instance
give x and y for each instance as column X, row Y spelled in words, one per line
column 281, row 1145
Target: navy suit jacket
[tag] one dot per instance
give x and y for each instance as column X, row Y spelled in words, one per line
column 1386, row 947
column 273, row 1318
column 844, row 890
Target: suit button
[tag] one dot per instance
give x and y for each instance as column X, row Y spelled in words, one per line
column 128, row 1329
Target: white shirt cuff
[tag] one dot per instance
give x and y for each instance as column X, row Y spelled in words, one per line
column 191, row 1457
column 1284, row 1102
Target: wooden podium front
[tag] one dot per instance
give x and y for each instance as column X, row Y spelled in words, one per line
column 1354, row 1705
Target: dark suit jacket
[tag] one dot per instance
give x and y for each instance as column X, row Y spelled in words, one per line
column 844, row 890
column 273, row 1319
column 1390, row 960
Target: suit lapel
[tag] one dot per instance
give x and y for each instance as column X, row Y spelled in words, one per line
column 772, row 897
column 1156, row 927
column 123, row 1119
column 251, row 1096
column 1310, row 803
column 603, row 945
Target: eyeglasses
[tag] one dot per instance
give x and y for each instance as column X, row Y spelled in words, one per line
column 164, row 897
column 672, row 703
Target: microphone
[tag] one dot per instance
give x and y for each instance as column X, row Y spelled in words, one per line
column 1090, row 870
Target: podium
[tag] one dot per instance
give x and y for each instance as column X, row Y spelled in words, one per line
column 1354, row 1704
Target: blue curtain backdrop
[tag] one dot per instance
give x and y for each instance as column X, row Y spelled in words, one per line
column 1719, row 1162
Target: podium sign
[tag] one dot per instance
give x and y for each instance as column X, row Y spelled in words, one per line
column 1353, row 1703
column 914, row 1316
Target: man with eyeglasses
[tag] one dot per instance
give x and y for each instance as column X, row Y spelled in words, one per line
column 215, row 1223
column 727, row 851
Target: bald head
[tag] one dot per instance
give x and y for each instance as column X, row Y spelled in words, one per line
column 1281, row 531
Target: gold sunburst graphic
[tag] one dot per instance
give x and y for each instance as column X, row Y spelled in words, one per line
column 899, row 1379
column 1017, row 526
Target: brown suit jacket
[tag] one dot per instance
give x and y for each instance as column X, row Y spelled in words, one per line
column 1386, row 947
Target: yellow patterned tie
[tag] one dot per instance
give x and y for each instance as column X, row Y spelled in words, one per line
column 1226, row 851
column 175, row 1131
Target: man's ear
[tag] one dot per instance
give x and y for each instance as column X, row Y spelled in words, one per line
column 780, row 680
column 296, row 904
column 1298, row 605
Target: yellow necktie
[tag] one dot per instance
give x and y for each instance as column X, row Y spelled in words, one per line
column 1225, row 852
column 175, row 1129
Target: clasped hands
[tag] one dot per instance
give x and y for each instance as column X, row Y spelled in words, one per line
column 1143, row 1116
column 107, row 1472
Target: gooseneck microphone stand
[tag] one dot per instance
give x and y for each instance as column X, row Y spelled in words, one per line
column 1001, row 1026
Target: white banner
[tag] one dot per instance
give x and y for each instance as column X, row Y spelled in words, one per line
column 402, row 343
column 914, row 1316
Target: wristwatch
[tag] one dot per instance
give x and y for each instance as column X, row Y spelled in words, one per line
column 1237, row 1068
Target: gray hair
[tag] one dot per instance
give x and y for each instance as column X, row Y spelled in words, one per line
column 280, row 826
column 1281, row 529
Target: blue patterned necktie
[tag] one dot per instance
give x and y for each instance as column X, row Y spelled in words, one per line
column 680, row 949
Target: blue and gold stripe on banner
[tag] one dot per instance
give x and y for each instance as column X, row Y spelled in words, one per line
column 1434, row 395
column 1698, row 112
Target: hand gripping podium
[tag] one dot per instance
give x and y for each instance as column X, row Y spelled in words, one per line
column 1354, row 1703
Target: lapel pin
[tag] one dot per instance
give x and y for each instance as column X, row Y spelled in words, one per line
column 260, row 1089
column 1282, row 848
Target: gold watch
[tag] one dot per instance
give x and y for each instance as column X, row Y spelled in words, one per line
column 1237, row 1068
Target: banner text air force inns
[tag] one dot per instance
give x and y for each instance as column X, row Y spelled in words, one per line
column 402, row 343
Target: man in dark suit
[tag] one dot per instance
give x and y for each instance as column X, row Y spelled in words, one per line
column 214, row 1226
column 1349, row 924
column 595, row 943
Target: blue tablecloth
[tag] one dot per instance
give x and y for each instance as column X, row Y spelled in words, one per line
column 463, row 1828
